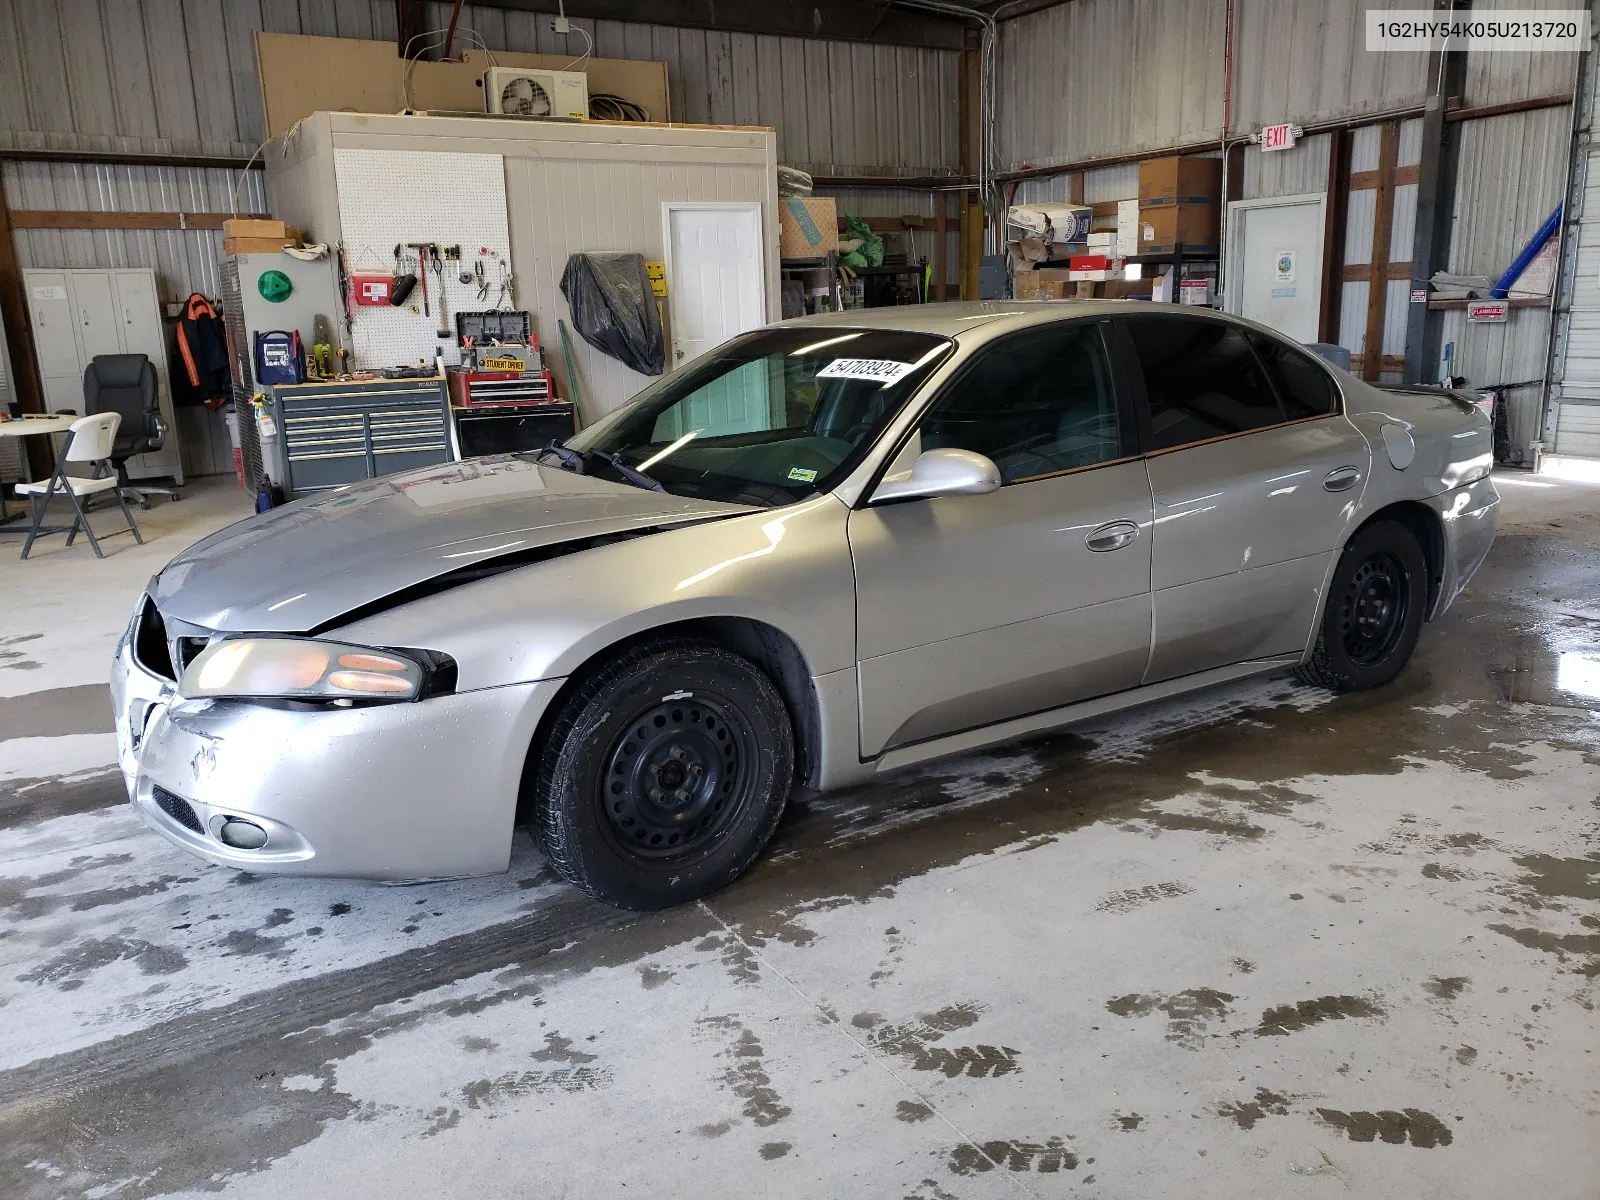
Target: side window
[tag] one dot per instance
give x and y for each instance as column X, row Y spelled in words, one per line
column 1036, row 404
column 1305, row 388
column 1203, row 380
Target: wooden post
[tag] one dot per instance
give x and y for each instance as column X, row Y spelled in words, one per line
column 1333, row 234
column 24, row 366
column 941, row 244
column 971, row 244
column 1075, row 187
column 1378, row 273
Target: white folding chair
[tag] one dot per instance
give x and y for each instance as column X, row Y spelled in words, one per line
column 89, row 440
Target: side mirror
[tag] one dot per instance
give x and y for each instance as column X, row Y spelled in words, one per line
column 941, row 473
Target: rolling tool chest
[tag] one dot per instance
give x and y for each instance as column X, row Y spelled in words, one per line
column 337, row 433
column 502, row 396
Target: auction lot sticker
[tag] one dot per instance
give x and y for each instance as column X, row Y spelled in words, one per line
column 880, row 370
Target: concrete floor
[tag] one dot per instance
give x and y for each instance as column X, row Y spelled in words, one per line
column 1262, row 943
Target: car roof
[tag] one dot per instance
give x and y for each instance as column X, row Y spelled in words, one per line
column 952, row 318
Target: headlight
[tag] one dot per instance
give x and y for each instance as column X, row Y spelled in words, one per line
column 299, row 669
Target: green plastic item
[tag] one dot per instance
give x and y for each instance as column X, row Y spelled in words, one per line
column 871, row 244
column 572, row 374
column 274, row 286
column 854, row 259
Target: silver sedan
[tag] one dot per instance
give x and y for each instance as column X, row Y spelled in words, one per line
column 826, row 550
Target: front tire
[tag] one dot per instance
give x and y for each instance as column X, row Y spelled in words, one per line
column 664, row 775
column 1374, row 611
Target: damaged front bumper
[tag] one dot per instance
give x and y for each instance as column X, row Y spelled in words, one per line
column 388, row 791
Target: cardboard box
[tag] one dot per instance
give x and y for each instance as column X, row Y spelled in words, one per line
column 808, row 226
column 1103, row 243
column 1084, row 290
column 1127, row 228
column 1162, row 227
column 1181, row 179
column 1090, row 262
column 240, row 227
column 1125, row 289
column 262, row 245
column 1053, row 222
column 1194, row 291
column 1025, row 285
column 1095, row 276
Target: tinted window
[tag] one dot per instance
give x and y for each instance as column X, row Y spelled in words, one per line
column 1303, row 386
column 1036, row 404
column 1203, row 380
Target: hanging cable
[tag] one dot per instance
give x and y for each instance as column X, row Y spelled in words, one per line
column 588, row 47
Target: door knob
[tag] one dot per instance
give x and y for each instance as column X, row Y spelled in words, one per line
column 1112, row 536
column 1342, row 479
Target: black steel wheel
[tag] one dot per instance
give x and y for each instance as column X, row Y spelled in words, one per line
column 663, row 775
column 1374, row 612
column 678, row 777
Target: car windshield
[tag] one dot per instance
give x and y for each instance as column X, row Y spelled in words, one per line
column 770, row 418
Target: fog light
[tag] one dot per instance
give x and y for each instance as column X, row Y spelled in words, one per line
column 242, row 835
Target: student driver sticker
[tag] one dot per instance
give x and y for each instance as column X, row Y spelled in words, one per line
column 879, row 370
column 802, row 474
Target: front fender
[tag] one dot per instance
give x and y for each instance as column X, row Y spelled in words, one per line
column 789, row 568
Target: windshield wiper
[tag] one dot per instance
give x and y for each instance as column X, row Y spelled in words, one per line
column 632, row 474
column 577, row 460
column 570, row 460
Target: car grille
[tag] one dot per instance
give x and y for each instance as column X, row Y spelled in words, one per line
column 176, row 807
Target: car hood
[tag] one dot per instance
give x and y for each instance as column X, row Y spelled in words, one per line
column 309, row 563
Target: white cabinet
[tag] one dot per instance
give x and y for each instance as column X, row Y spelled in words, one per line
column 77, row 314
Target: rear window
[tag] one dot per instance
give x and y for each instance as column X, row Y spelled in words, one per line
column 1304, row 387
column 1203, row 380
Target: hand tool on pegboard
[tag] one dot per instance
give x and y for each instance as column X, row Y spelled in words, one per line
column 438, row 274
column 422, row 270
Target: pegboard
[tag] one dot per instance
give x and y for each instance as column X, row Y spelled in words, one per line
column 397, row 196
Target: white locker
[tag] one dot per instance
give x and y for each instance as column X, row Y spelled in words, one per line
column 77, row 314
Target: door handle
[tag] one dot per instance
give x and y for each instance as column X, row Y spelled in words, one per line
column 1112, row 536
column 1342, row 479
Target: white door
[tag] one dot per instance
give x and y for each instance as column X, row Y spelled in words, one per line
column 94, row 312
column 716, row 279
column 1275, row 263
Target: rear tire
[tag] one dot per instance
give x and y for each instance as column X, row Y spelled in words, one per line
column 1374, row 611
column 664, row 775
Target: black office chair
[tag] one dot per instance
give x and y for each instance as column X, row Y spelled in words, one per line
column 126, row 385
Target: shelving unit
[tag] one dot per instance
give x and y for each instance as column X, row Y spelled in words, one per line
column 828, row 262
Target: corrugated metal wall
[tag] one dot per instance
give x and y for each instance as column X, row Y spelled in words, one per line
column 1295, row 172
column 1107, row 77
column 1512, row 171
column 840, row 108
column 1302, row 62
column 1500, row 77
column 1097, row 77
column 179, row 76
column 184, row 261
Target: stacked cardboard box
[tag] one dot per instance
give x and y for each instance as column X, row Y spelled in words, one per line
column 808, row 226
column 256, row 236
column 1180, row 202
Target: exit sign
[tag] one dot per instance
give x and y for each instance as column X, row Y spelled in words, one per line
column 1277, row 137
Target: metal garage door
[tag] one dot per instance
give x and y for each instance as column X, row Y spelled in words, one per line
column 1573, row 424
